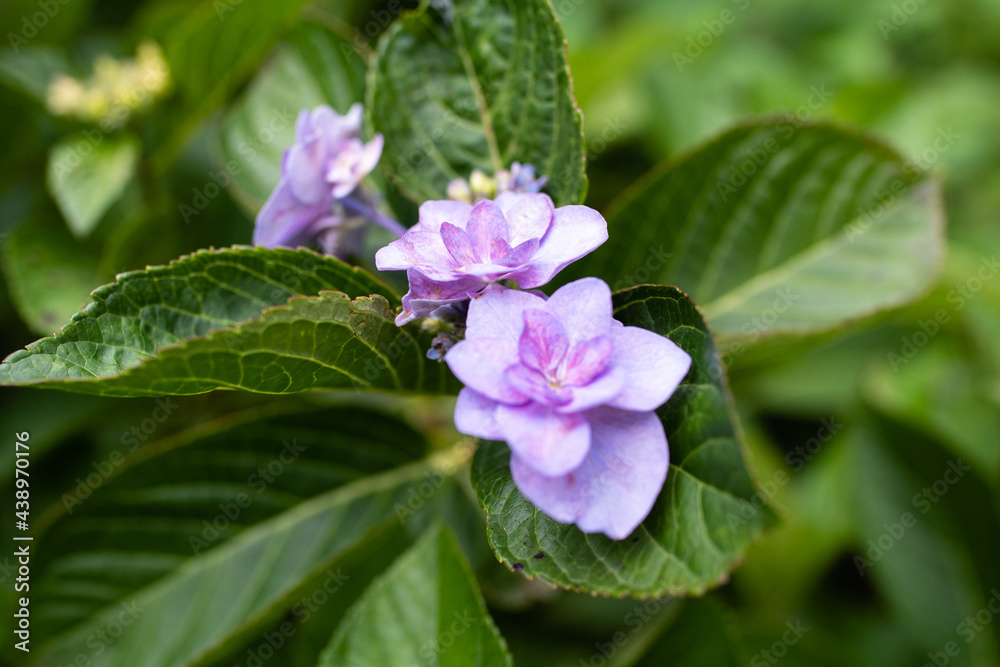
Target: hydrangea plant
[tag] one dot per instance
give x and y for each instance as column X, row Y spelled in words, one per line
column 423, row 263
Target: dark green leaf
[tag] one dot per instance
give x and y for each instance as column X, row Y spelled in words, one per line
column 425, row 610
column 479, row 91
column 705, row 516
column 775, row 227
column 218, row 319
column 198, row 608
column 140, row 518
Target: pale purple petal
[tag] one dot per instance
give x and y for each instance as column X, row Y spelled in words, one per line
column 575, row 231
column 371, row 154
column 420, row 250
column 528, row 215
column 498, row 313
column 303, row 126
column 549, row 443
column 654, row 366
column 307, row 169
column 615, row 487
column 426, row 295
column 482, row 363
column 458, row 244
column 584, row 308
column 284, row 221
column 486, row 222
column 543, row 343
column 475, row 415
column 434, row 213
column 599, row 391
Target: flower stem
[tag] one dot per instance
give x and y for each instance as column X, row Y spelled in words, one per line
column 360, row 208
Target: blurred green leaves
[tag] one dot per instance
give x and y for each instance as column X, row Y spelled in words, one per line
column 87, row 173
column 776, row 227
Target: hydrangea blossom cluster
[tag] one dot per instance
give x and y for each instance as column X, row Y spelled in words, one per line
column 572, row 392
column 318, row 199
column 456, row 250
column 569, row 388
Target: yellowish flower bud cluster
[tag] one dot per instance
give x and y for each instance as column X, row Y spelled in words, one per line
column 114, row 90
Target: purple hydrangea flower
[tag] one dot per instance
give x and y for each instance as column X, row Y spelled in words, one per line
column 323, row 167
column 572, row 392
column 456, row 250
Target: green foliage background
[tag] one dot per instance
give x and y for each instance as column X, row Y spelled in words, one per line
column 848, row 430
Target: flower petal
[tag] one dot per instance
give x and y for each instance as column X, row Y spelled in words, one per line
column 654, row 367
column 433, row 213
column 285, row 221
column 528, row 215
column 475, row 415
column 615, row 487
column 306, row 165
column 542, row 344
column 584, row 308
column 458, row 244
column 427, row 295
column 482, row 363
column 600, row 391
column 421, row 250
column 498, row 313
column 486, row 222
column 575, row 231
column 547, row 442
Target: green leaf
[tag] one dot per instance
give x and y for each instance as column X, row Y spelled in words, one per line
column 219, row 44
column 312, row 67
column 209, row 605
column 48, row 272
column 776, row 228
column 86, row 177
column 425, row 610
column 143, row 517
column 479, row 91
column 704, row 518
column 218, row 319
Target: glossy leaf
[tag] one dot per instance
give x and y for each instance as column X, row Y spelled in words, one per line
column 207, row 606
column 705, row 516
column 312, row 67
column 218, row 319
column 87, row 177
column 150, row 510
column 426, row 610
column 775, row 228
column 479, row 89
